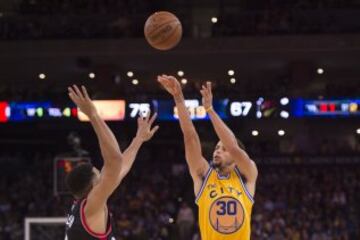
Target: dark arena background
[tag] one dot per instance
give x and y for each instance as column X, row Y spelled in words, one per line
column 286, row 78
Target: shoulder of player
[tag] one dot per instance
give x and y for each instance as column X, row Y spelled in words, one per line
column 249, row 172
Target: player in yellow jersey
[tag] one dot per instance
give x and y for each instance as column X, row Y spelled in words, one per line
column 225, row 201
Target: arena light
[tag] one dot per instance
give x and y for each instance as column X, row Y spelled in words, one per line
column 358, row 131
column 255, row 133
column 184, row 81
column 258, row 114
column 284, row 101
column 130, row 74
column 214, row 19
column 42, row 76
column 320, row 71
column 135, row 81
column 117, row 79
column 231, row 72
column 232, row 80
column 281, row 132
column 284, row 114
column 92, row 75
column 180, row 73
column 171, row 220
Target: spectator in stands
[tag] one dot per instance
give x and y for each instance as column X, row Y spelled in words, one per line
column 185, row 222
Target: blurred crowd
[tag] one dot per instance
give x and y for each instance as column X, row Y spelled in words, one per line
column 156, row 202
column 289, row 17
column 39, row 19
column 314, row 202
column 70, row 7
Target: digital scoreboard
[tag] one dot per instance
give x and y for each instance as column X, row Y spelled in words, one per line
column 228, row 109
column 326, row 108
column 31, row 111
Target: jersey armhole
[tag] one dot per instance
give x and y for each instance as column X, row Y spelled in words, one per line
column 248, row 194
column 203, row 184
column 86, row 226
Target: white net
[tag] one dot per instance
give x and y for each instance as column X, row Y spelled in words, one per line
column 44, row 228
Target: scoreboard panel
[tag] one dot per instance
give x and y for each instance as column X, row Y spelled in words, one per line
column 326, row 108
column 228, row 109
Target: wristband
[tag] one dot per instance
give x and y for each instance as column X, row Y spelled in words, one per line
column 209, row 109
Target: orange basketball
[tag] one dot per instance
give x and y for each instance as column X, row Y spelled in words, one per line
column 163, row 30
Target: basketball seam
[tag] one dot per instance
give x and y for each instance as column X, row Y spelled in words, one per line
column 173, row 32
column 149, row 33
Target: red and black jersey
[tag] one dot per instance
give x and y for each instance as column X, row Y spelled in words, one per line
column 77, row 228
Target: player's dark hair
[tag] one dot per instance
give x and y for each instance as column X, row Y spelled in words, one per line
column 79, row 180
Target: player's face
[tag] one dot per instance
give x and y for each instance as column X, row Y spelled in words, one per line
column 221, row 157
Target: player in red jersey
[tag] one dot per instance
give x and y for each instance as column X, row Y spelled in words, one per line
column 89, row 217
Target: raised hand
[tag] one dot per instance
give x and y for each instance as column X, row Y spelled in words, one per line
column 82, row 100
column 171, row 84
column 207, row 97
column 144, row 131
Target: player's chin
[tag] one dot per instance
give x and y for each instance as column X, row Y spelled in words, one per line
column 216, row 164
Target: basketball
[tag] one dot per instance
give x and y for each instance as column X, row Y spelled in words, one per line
column 163, row 30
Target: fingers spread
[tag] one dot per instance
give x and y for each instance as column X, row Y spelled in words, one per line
column 152, row 118
column 85, row 93
column 147, row 116
column 71, row 90
column 208, row 85
column 153, row 131
column 72, row 97
column 78, row 92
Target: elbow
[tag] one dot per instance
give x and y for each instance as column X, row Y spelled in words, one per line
column 113, row 156
column 114, row 161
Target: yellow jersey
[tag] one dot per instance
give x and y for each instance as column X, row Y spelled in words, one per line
column 225, row 207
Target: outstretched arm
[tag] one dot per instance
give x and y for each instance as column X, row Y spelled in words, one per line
column 112, row 156
column 144, row 133
column 228, row 139
column 196, row 162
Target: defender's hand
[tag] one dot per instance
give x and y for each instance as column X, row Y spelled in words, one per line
column 82, row 100
column 144, row 131
column 207, row 97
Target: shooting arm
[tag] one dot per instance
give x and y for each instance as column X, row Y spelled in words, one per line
column 197, row 164
column 228, row 139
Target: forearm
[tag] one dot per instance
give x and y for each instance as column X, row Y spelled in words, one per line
column 224, row 133
column 130, row 154
column 186, row 124
column 192, row 143
column 109, row 146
